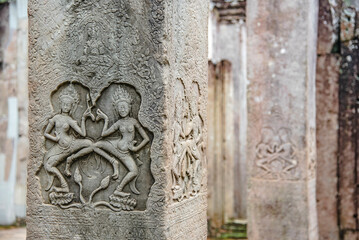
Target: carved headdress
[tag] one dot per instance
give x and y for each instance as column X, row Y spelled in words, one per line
column 71, row 93
column 121, row 95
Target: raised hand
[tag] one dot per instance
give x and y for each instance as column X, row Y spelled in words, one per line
column 88, row 113
column 100, row 115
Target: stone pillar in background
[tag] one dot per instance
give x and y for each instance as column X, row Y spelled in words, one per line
column 13, row 111
column 220, row 144
column 118, row 93
column 281, row 119
column 327, row 99
column 348, row 169
column 227, row 41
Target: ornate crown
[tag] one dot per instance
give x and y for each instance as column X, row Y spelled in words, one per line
column 69, row 92
column 121, row 95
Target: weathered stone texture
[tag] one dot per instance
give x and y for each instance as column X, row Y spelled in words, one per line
column 118, row 94
column 347, row 157
column 327, row 89
column 328, row 25
column 348, row 121
column 281, row 119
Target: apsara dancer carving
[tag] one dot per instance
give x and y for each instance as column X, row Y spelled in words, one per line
column 65, row 142
column 121, row 148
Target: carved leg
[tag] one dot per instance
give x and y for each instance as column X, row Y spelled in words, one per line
column 70, row 159
column 292, row 162
column 112, row 160
column 63, row 184
column 132, row 173
column 261, row 163
column 50, row 166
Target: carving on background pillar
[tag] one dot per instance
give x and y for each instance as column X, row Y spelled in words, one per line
column 275, row 154
column 188, row 145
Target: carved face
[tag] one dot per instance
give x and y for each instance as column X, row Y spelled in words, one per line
column 66, row 104
column 92, row 30
column 123, row 108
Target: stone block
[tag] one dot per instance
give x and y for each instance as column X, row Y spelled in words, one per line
column 327, row 105
column 117, row 116
column 281, row 147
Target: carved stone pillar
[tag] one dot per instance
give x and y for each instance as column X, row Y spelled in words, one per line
column 118, row 95
column 281, row 119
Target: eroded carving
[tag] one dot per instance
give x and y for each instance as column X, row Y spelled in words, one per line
column 187, row 145
column 275, row 154
column 117, row 144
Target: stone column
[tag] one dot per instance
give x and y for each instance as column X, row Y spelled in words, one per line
column 117, row 115
column 281, row 119
column 13, row 111
column 220, row 144
column 327, row 104
column 227, row 41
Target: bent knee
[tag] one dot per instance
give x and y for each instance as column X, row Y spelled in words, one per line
column 48, row 166
column 98, row 144
column 88, row 143
column 134, row 172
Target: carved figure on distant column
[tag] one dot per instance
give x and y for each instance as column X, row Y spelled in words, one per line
column 187, row 148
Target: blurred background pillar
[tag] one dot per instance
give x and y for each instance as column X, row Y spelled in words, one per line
column 227, row 55
column 13, row 110
column 281, row 147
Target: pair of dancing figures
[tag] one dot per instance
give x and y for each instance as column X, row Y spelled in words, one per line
column 68, row 147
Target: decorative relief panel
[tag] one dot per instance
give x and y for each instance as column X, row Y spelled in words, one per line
column 188, row 145
column 99, row 116
column 96, row 155
column 275, row 153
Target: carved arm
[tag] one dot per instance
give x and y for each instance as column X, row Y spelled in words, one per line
column 48, row 129
column 144, row 136
column 106, row 131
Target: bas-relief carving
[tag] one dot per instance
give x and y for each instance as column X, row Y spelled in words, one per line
column 275, row 153
column 188, row 145
column 98, row 44
column 107, row 158
column 134, row 44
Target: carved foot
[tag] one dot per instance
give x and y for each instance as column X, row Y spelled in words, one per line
column 177, row 193
column 60, row 189
column 121, row 194
column 123, row 203
column 60, row 198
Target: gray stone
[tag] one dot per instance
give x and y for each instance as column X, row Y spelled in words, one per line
column 281, row 144
column 117, row 117
column 327, row 105
column 13, row 112
column 227, row 41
